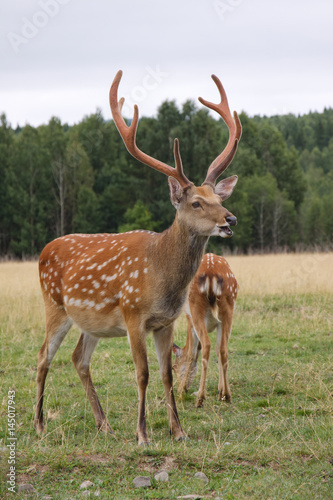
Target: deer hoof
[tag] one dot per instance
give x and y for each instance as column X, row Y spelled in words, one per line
column 39, row 427
column 142, row 440
column 225, row 398
column 144, row 443
column 181, row 439
column 105, row 427
column 199, row 402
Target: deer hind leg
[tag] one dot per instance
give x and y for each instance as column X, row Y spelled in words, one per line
column 223, row 333
column 188, row 364
column 57, row 326
column 202, row 334
column 163, row 343
column 81, row 358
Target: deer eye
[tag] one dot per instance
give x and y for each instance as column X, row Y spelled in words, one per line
column 196, row 204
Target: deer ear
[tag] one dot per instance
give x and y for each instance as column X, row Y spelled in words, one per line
column 225, row 188
column 176, row 192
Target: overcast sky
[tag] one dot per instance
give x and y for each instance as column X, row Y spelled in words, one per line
column 59, row 57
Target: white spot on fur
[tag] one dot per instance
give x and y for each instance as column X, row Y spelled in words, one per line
column 99, row 306
column 111, row 278
column 91, row 267
column 89, row 304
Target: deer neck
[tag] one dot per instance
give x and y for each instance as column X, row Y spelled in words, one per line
column 175, row 257
column 179, row 251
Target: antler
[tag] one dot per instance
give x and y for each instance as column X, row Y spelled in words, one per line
column 235, row 131
column 128, row 134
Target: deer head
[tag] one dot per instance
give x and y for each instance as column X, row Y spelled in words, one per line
column 198, row 208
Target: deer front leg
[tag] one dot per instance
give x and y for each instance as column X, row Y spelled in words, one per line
column 163, row 343
column 81, row 358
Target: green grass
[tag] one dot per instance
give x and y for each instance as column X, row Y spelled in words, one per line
column 274, row 441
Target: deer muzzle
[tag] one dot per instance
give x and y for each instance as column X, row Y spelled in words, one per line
column 225, row 231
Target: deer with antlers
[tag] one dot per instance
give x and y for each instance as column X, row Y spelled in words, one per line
column 211, row 301
column 113, row 285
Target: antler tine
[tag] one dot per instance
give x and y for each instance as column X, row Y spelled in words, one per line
column 235, row 131
column 212, row 175
column 128, row 134
column 178, row 160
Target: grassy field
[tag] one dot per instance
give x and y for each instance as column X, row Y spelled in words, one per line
column 274, row 441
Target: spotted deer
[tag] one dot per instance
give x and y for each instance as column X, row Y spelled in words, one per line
column 211, row 301
column 113, row 285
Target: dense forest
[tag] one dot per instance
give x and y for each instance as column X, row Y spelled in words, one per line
column 58, row 179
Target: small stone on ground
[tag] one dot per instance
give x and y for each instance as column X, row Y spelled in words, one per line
column 28, row 488
column 86, row 484
column 162, row 476
column 142, row 481
column 201, row 476
column 190, row 497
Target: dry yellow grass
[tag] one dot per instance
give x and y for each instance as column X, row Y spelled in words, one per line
column 283, row 273
column 18, row 277
column 21, row 303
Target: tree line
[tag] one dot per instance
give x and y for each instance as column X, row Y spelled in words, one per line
column 58, row 179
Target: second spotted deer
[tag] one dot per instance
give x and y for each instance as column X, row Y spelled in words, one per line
column 212, row 297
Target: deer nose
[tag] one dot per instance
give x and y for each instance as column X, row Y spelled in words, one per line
column 231, row 220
